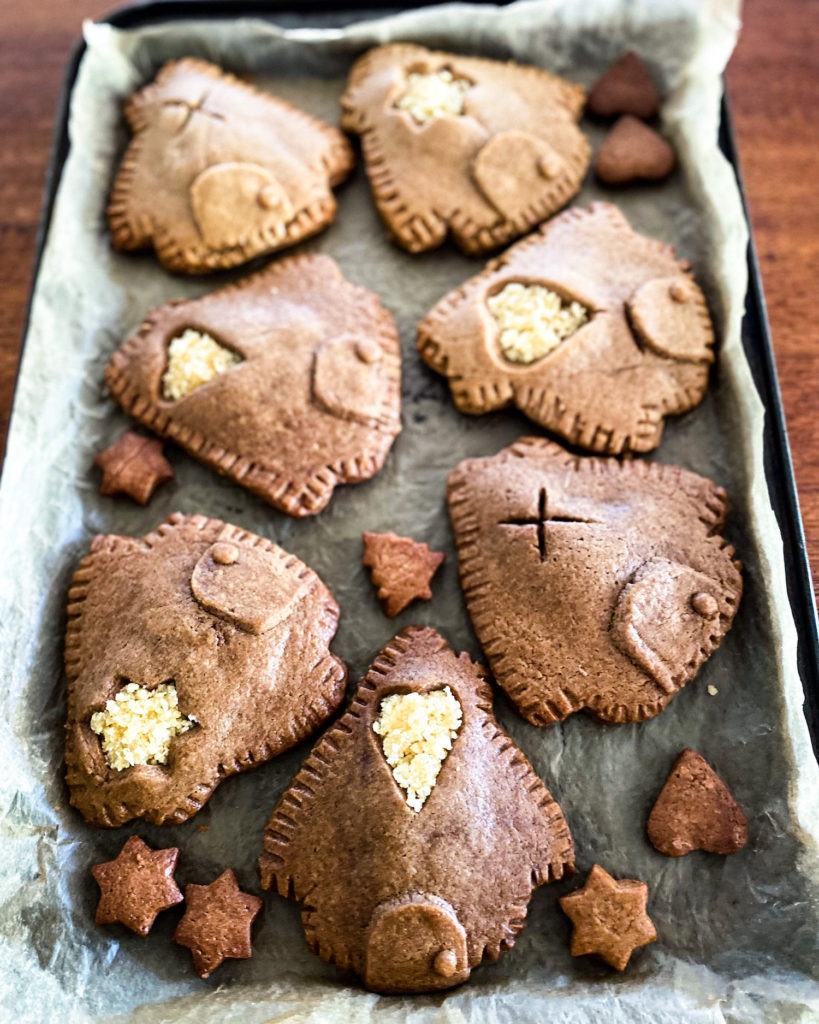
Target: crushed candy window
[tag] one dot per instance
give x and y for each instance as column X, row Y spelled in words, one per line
column 440, row 94
column 533, row 320
column 137, row 726
column 417, row 730
column 194, row 358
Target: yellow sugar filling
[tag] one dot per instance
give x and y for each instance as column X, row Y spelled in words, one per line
column 194, row 358
column 417, row 730
column 137, row 726
column 440, row 94
column 533, row 320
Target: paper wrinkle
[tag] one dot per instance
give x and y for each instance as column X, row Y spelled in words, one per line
column 738, row 935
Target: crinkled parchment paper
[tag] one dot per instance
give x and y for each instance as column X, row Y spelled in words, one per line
column 737, row 935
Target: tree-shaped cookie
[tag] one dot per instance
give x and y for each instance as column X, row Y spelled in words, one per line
column 481, row 149
column 415, row 832
column 592, row 583
column 219, row 172
column 192, row 653
column 288, row 382
column 589, row 328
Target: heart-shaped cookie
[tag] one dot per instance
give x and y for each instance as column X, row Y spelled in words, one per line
column 435, row 825
column 633, row 152
column 592, row 584
column 287, row 382
column 193, row 653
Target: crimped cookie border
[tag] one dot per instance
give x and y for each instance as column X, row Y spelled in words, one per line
column 327, row 675
column 475, row 584
column 128, row 234
column 543, row 405
column 294, row 805
column 278, row 489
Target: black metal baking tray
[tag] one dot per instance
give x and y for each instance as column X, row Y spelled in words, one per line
column 756, row 337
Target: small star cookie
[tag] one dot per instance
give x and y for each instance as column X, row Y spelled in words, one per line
column 401, row 569
column 217, row 921
column 133, row 465
column 609, row 917
column 136, row 886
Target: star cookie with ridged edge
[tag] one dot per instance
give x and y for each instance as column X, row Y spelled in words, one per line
column 133, row 465
column 136, row 886
column 288, row 382
column 609, row 917
column 592, row 330
column 219, row 172
column 401, row 569
column 591, row 583
column 217, row 923
column 416, row 831
column 482, row 150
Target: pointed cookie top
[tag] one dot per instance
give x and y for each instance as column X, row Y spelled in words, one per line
column 444, row 827
column 591, row 583
column 219, row 172
column 480, row 149
column 592, row 330
column 696, row 811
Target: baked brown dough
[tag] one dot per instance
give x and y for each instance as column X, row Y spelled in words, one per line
column 311, row 398
column 641, row 354
column 507, row 160
column 592, row 583
column 412, row 899
column 219, row 172
column 236, row 626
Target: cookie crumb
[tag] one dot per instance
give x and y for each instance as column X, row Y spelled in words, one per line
column 137, row 726
column 439, row 94
column 533, row 320
column 194, row 359
column 417, row 730
column 712, row 690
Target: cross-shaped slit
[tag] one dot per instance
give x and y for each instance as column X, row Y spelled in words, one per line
column 542, row 519
column 193, row 108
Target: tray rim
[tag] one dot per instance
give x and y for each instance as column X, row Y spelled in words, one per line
column 756, row 333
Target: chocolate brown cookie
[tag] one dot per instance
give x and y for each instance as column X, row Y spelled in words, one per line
column 696, row 811
column 480, row 149
column 592, row 583
column 288, row 382
column 415, row 832
column 633, row 152
column 590, row 329
column 219, row 172
column 133, row 465
column 192, row 653
column 625, row 88
column 136, row 886
column 609, row 917
column 401, row 569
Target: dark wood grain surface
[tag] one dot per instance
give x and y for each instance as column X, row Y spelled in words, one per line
column 773, row 81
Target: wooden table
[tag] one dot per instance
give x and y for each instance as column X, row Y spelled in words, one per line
column 773, row 81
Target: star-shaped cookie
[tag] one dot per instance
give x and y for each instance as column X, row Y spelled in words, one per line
column 401, row 569
column 481, row 149
column 592, row 330
column 217, row 922
column 133, row 465
column 288, row 383
column 219, row 172
column 136, row 886
column 609, row 917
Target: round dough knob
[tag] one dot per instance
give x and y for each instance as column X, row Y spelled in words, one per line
column 367, row 351
column 225, row 554
column 680, row 291
column 445, row 963
column 705, row 605
column 270, row 197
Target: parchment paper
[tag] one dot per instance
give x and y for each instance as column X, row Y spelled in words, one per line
column 737, row 935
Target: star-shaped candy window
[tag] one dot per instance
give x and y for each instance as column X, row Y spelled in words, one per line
column 136, row 886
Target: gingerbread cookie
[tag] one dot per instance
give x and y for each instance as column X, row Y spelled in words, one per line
column 192, row 653
column 592, row 583
column 609, row 917
column 479, row 149
column 136, row 886
column 217, row 922
column 696, row 811
column 219, row 172
column 133, row 465
column 415, row 832
column 288, row 382
column 590, row 329
column 401, row 569
column 633, row 152
column 625, row 88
